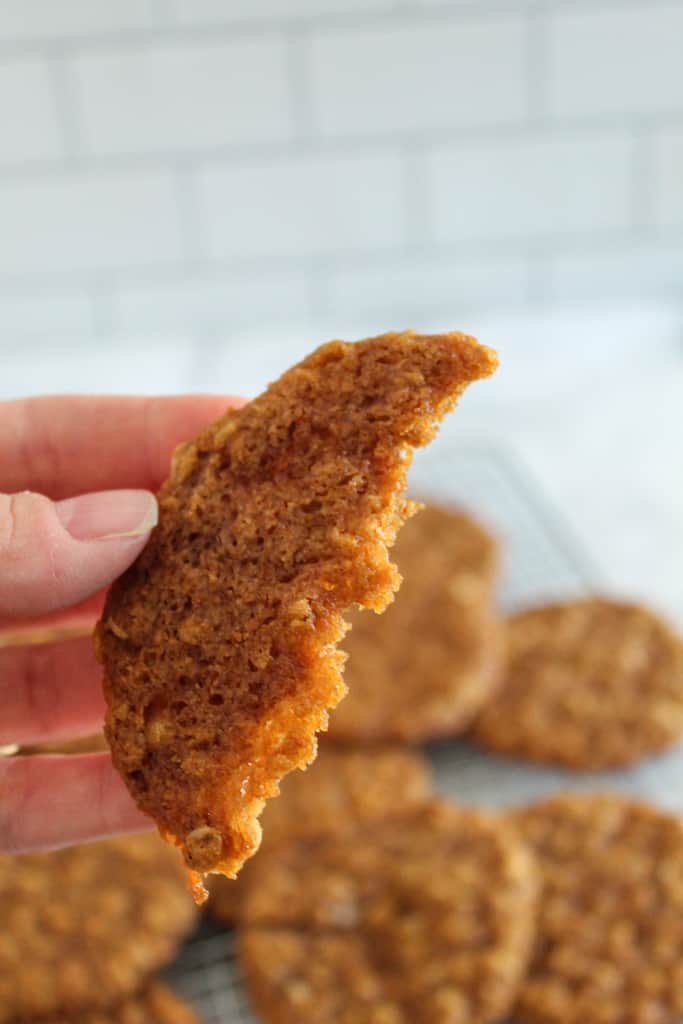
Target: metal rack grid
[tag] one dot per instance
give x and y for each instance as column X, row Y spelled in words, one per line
column 541, row 562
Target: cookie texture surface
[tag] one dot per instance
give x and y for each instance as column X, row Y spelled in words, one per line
column 340, row 788
column 219, row 643
column 589, row 684
column 426, row 666
column 610, row 939
column 83, row 927
column 425, row 917
column 155, row 1004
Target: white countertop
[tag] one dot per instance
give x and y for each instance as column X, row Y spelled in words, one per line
column 591, row 402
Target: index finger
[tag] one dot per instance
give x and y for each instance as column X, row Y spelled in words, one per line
column 61, row 445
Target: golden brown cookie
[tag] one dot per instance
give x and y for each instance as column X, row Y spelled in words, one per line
column 448, row 543
column 425, row 918
column 341, row 787
column 219, row 643
column 84, row 926
column 155, row 1004
column 589, row 684
column 610, row 939
column 427, row 665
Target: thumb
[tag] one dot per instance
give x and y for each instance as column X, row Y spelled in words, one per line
column 53, row 554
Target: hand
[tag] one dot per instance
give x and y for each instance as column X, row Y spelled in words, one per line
column 76, row 509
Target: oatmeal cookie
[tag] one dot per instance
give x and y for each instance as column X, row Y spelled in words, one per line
column 156, row 1004
column 426, row 917
column 610, row 939
column 219, row 643
column 590, row 684
column 425, row 667
column 339, row 788
column 83, row 927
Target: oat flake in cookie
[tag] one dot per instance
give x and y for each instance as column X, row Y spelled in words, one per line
column 590, row 684
column 610, row 938
column 219, row 643
column 423, row 918
column 83, row 927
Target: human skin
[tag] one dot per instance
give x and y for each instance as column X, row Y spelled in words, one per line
column 77, row 482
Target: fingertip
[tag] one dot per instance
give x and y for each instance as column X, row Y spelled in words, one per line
column 57, row 554
column 53, row 800
column 109, row 515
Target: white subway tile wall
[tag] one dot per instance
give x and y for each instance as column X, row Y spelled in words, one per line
column 302, row 206
column 36, row 20
column 81, row 223
column 206, row 303
column 198, row 12
column 28, row 112
column 641, row 270
column 668, row 191
column 183, row 96
column 184, row 167
column 403, row 292
column 48, row 311
column 409, row 80
column 532, row 187
column 616, row 61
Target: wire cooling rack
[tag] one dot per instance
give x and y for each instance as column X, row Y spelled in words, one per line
column 542, row 562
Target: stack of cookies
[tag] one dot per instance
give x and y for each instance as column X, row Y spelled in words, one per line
column 373, row 901
column 84, row 929
column 568, row 911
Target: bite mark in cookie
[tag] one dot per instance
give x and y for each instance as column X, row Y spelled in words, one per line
column 427, row 665
column 340, row 788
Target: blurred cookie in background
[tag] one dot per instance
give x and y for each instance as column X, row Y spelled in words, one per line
column 340, row 787
column 423, row 917
column 84, row 926
column 427, row 665
column 589, row 684
column 610, row 938
column 155, row 1004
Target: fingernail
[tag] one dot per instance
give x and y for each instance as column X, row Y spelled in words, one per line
column 108, row 514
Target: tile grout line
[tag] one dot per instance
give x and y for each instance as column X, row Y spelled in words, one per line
column 455, row 137
column 477, row 249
